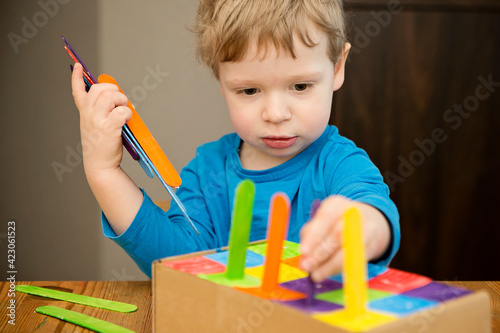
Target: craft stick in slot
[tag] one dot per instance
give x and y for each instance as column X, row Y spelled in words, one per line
column 354, row 262
column 278, row 224
column 240, row 229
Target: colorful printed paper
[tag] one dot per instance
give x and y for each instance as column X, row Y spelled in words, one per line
column 391, row 293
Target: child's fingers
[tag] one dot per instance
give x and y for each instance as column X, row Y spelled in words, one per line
column 321, row 249
column 330, row 244
column 86, row 101
column 322, row 235
column 78, row 86
column 119, row 117
column 106, row 100
column 322, row 225
column 329, row 267
column 325, row 249
column 314, row 232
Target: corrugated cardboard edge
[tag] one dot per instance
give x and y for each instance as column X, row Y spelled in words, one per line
column 185, row 303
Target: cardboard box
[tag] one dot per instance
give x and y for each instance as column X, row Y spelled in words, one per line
column 183, row 302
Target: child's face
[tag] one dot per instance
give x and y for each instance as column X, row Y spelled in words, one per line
column 279, row 105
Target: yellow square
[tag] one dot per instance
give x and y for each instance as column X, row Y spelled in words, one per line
column 365, row 322
column 286, row 273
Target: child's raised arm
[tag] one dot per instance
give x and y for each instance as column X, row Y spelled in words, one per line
column 103, row 112
column 321, row 237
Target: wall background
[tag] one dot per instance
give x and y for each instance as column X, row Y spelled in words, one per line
column 58, row 232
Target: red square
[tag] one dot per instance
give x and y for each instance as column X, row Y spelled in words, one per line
column 196, row 265
column 396, row 281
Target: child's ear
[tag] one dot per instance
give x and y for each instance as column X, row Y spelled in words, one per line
column 339, row 70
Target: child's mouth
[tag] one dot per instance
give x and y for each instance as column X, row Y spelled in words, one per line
column 279, row 142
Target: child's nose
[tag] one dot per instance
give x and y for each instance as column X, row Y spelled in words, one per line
column 276, row 110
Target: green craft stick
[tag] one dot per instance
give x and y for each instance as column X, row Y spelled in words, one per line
column 75, row 298
column 80, row 319
column 240, row 229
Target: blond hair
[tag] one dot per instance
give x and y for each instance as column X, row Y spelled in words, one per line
column 226, row 28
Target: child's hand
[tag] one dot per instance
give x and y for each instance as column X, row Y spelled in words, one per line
column 103, row 112
column 321, row 237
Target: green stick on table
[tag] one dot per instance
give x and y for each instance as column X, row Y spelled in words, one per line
column 83, row 320
column 75, row 298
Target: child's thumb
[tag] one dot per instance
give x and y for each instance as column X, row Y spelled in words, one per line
column 78, row 86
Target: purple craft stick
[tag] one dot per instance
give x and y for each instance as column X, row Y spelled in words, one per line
column 126, row 142
column 310, row 291
column 130, row 147
column 314, row 207
column 310, row 283
column 77, row 57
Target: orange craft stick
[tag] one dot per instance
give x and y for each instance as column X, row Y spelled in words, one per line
column 278, row 223
column 148, row 142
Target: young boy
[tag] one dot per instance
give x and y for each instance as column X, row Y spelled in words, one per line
column 278, row 63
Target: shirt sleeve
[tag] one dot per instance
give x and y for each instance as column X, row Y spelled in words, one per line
column 155, row 234
column 356, row 177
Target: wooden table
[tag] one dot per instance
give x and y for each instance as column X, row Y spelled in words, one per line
column 135, row 292
column 27, row 320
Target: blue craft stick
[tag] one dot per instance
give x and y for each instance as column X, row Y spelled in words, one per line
column 146, row 159
column 142, row 163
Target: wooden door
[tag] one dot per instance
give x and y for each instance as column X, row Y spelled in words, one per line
column 422, row 97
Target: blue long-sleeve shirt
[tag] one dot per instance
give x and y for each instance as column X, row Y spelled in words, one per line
column 332, row 165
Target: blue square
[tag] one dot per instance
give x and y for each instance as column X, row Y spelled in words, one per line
column 399, row 305
column 373, row 271
column 252, row 259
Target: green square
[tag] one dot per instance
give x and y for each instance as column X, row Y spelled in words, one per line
column 290, row 249
column 259, row 249
column 337, row 296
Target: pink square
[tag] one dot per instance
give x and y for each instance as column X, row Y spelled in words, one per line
column 196, row 265
column 396, row 281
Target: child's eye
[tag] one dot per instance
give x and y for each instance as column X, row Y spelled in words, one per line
column 248, row 91
column 301, row 86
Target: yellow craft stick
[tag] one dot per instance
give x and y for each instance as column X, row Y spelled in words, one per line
column 355, row 285
column 355, row 317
